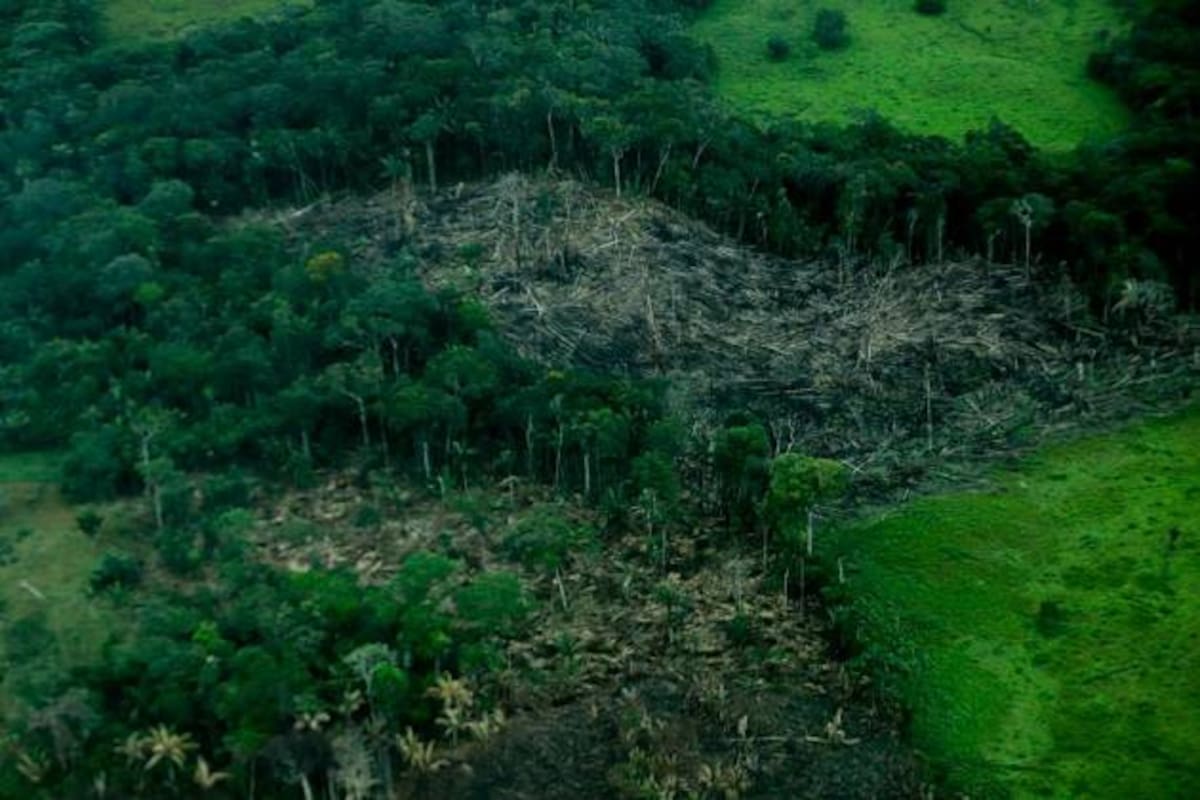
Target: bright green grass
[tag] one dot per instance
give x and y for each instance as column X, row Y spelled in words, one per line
column 1055, row 636
column 1021, row 61
column 163, row 19
column 53, row 561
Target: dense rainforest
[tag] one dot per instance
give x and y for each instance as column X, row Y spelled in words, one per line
column 189, row 357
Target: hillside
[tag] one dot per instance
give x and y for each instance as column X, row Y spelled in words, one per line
column 901, row 372
column 423, row 399
column 1020, row 62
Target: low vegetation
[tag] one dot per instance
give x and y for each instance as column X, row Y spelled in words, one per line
column 928, row 72
column 1044, row 629
column 165, row 19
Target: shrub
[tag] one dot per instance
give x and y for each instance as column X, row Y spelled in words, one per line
column 89, row 522
column 931, row 7
column 831, row 29
column 544, row 540
column 778, row 48
column 177, row 550
column 8, row 553
column 367, row 516
column 231, row 490
column 116, row 569
column 493, row 604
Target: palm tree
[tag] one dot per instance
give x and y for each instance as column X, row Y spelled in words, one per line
column 205, row 778
column 165, row 746
column 418, row 755
column 451, row 692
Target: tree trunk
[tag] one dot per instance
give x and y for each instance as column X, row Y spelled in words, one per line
column 587, row 473
column 383, row 440
column 156, row 491
column 426, row 463
column 431, row 165
column 558, row 456
column 362, row 418
column 1028, row 247
column 616, row 165
column 809, row 536
column 803, row 564
column 928, row 410
column 662, row 163
column 529, row 445
column 553, row 140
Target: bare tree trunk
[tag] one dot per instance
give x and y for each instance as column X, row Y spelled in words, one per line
column 808, row 546
column 158, row 507
column 362, row 418
column 803, row 565
column 662, row 163
column 587, row 473
column 616, row 165
column 529, row 445
column 928, row 410
column 553, row 140
column 1028, row 247
column 558, row 447
column 431, row 165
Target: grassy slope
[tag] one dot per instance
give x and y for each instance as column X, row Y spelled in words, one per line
column 938, row 75
column 53, row 557
column 1095, row 695
column 158, row 19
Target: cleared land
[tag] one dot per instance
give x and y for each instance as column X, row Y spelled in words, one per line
column 162, row 19
column 46, row 616
column 1024, row 63
column 1053, row 624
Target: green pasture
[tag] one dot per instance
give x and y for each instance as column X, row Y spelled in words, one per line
column 163, row 19
column 1050, row 628
column 1022, row 61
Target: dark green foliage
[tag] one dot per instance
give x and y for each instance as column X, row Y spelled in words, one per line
column 89, row 522
column 741, row 463
column 227, row 490
column 495, row 602
column 97, row 466
column 544, row 539
column 740, row 630
column 778, row 48
column 177, row 548
column 930, row 7
column 116, row 570
column 27, row 639
column 831, row 29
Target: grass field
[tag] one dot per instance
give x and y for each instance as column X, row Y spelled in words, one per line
column 45, row 563
column 161, row 19
column 1021, row 61
column 1054, row 624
